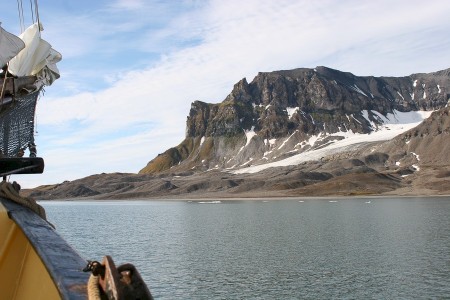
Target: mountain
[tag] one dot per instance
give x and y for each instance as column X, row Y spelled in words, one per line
column 302, row 132
column 285, row 113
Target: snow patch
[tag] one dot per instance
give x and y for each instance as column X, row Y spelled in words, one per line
column 247, row 163
column 291, row 111
column 285, row 141
column 403, row 118
column 439, row 89
column 313, row 139
column 267, row 153
column 365, row 114
column 355, row 119
column 272, row 141
column 395, row 124
column 202, row 140
column 216, row 167
column 249, row 134
column 415, row 83
column 357, row 89
column 400, row 95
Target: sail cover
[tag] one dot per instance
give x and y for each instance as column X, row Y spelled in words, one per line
column 37, row 58
column 10, row 46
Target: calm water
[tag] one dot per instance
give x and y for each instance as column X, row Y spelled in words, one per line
column 316, row 249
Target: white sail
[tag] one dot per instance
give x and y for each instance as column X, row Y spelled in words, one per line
column 10, row 46
column 37, row 58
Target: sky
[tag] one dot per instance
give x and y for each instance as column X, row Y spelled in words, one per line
column 132, row 68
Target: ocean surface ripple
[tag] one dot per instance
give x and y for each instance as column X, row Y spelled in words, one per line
column 284, row 249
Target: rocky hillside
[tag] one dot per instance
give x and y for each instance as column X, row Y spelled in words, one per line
column 295, row 133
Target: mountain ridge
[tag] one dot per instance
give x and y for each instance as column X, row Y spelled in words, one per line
column 298, row 133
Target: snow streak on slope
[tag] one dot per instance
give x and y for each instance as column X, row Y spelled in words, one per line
column 394, row 124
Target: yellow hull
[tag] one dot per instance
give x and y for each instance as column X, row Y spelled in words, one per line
column 35, row 262
column 23, row 275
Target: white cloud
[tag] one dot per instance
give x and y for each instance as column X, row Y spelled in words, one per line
column 128, row 4
column 198, row 53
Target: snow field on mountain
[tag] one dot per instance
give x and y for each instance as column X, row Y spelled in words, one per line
column 393, row 125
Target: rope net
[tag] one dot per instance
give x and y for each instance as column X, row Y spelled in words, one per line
column 17, row 124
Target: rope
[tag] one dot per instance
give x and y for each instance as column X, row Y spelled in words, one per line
column 10, row 191
column 3, row 87
column 21, row 18
column 32, row 12
column 93, row 289
column 37, row 15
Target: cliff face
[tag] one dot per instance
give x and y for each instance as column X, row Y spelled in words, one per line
column 278, row 103
column 275, row 115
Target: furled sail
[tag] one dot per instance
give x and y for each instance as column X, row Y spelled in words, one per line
column 37, row 58
column 33, row 63
column 10, row 46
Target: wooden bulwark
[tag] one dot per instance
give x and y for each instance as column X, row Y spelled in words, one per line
column 35, row 261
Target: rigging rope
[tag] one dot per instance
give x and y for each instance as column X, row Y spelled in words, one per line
column 93, row 288
column 3, row 87
column 10, row 191
column 32, row 12
column 21, row 19
column 37, row 14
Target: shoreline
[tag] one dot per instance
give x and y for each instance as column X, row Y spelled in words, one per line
column 231, row 199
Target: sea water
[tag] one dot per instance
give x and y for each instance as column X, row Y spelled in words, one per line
column 368, row 248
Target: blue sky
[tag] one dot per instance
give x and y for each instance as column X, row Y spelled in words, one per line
column 131, row 68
